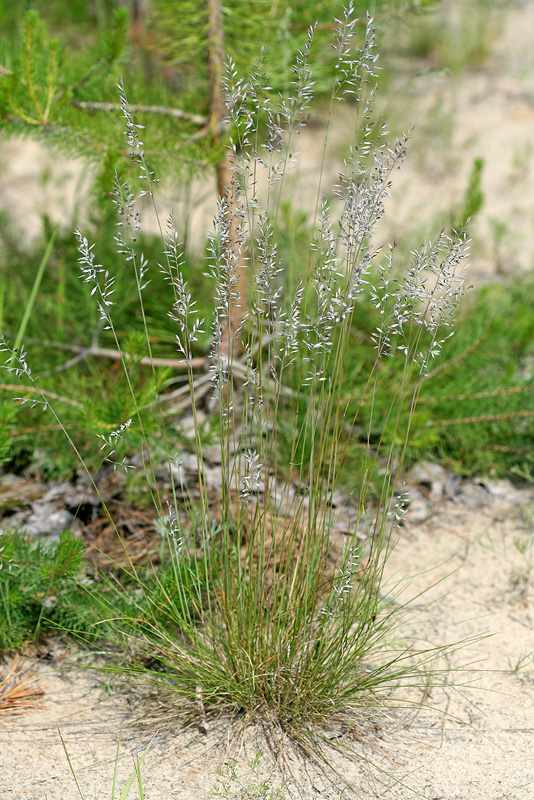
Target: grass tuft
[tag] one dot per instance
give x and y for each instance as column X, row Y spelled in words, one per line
column 265, row 606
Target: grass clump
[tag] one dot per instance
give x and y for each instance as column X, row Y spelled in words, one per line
column 288, row 623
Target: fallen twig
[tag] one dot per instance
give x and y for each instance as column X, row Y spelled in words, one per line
column 114, row 355
column 204, row 726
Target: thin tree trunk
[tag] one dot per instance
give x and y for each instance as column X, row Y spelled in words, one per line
column 217, row 103
column 225, row 178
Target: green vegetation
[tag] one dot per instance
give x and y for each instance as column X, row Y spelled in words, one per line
column 231, row 786
column 135, row 777
column 50, row 588
column 93, row 387
column 39, row 589
column 95, row 390
column 62, row 61
column 474, row 197
column 484, row 381
column 252, row 609
column 461, row 37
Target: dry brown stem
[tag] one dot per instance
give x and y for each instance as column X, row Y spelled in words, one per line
column 16, row 691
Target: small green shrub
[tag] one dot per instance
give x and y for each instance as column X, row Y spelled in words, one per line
column 474, row 197
column 48, row 588
column 38, row 585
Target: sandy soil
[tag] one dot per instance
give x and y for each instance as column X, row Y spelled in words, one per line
column 473, row 558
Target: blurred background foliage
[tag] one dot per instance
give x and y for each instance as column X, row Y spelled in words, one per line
column 58, row 55
column 61, row 57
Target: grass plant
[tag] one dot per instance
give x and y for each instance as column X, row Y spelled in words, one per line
column 135, row 777
column 280, row 628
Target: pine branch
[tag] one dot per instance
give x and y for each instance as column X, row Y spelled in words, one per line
column 478, row 395
column 444, row 423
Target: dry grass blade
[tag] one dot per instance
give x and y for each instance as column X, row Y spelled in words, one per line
column 16, row 690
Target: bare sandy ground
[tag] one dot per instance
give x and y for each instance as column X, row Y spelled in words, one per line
column 472, row 739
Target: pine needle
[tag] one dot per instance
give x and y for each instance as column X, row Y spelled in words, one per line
column 16, row 690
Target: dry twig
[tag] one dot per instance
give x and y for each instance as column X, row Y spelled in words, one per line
column 20, row 387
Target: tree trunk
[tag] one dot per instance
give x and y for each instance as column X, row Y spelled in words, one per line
column 226, row 187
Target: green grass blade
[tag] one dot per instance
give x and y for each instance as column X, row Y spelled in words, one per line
column 115, row 770
column 2, row 303
column 35, row 288
column 135, row 774
column 70, row 765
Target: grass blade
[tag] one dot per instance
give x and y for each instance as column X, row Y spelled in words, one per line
column 35, row 288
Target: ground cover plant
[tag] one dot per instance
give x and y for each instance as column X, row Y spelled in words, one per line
column 35, row 580
column 283, row 627
column 45, row 589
